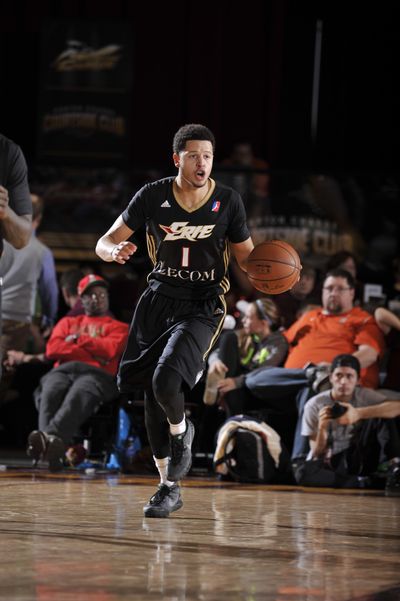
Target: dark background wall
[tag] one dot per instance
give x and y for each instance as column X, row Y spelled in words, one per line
column 245, row 69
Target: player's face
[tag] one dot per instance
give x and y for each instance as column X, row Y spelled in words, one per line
column 195, row 162
column 337, row 296
column 343, row 380
column 95, row 301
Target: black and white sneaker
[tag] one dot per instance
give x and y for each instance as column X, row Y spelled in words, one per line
column 46, row 447
column 181, row 453
column 166, row 500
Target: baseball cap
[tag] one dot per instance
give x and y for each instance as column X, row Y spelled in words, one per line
column 346, row 360
column 90, row 280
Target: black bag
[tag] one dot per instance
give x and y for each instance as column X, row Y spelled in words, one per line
column 250, row 460
column 246, row 456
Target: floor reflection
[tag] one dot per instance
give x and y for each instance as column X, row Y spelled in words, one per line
column 88, row 540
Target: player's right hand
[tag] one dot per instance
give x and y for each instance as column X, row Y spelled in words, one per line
column 123, row 251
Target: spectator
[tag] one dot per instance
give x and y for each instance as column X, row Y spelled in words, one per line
column 259, row 344
column 29, row 279
column 15, row 202
column 337, row 327
column 318, row 336
column 347, row 440
column 86, row 349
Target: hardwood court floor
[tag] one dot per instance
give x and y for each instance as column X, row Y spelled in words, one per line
column 83, row 538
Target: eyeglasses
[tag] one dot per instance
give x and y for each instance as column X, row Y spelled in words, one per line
column 339, row 289
column 98, row 295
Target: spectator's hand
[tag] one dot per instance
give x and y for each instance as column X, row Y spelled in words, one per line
column 123, row 251
column 3, row 202
column 350, row 417
column 72, row 337
column 218, row 367
column 13, row 359
column 324, row 418
column 226, row 385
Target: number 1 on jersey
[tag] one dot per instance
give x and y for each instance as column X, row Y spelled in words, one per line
column 185, row 256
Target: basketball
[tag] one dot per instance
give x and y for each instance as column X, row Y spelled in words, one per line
column 273, row 267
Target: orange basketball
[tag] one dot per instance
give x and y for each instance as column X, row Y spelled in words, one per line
column 273, row 267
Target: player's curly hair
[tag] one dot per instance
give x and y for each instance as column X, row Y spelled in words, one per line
column 191, row 131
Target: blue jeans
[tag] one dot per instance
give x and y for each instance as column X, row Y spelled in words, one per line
column 281, row 389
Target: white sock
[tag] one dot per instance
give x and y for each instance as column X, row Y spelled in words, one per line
column 178, row 428
column 162, row 467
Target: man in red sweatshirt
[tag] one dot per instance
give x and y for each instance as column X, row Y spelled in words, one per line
column 86, row 350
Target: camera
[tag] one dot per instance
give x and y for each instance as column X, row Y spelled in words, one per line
column 337, row 410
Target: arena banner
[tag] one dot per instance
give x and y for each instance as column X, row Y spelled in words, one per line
column 86, row 84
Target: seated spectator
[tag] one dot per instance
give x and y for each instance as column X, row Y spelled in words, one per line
column 347, row 441
column 259, row 344
column 86, row 349
column 318, row 336
column 28, row 274
column 23, row 370
column 29, row 296
column 302, row 297
column 389, row 323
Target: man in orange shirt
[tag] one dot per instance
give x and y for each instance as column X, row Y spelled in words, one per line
column 318, row 336
column 336, row 328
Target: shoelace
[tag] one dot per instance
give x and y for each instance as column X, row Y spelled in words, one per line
column 177, row 448
column 160, row 495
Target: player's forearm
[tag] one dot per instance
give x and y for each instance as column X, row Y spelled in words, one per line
column 17, row 229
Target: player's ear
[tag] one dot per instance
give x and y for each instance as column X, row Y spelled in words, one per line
column 175, row 158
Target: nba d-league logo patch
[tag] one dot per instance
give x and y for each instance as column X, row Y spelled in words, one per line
column 215, row 206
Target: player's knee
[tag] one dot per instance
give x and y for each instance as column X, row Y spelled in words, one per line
column 167, row 384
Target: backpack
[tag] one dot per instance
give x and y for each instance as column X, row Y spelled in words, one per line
column 248, row 450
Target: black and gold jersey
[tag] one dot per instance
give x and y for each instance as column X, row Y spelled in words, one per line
column 189, row 249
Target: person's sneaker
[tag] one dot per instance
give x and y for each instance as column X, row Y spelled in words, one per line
column 392, row 488
column 55, row 453
column 181, row 453
column 166, row 500
column 211, row 390
column 322, row 382
column 37, row 446
column 318, row 377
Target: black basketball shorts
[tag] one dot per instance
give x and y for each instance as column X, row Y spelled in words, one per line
column 174, row 332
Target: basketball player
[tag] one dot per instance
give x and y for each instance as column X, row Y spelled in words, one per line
column 192, row 223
